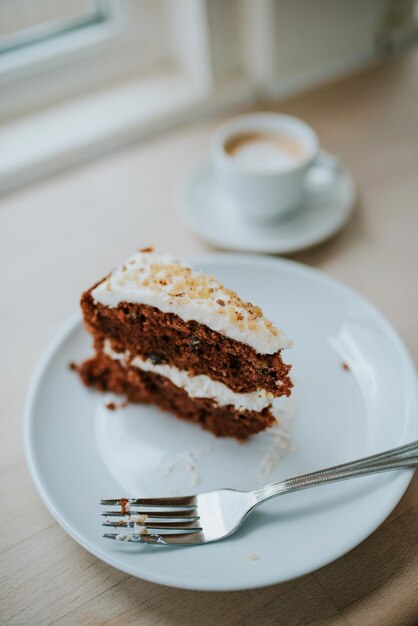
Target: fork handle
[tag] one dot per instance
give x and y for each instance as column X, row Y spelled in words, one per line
column 330, row 475
column 394, row 454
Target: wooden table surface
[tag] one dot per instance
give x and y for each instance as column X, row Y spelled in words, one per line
column 57, row 236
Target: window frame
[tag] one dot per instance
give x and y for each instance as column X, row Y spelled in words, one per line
column 59, row 44
column 94, row 56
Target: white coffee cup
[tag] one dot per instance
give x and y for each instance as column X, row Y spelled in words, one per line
column 261, row 161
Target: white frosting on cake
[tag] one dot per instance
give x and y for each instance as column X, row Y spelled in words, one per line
column 161, row 281
column 199, row 386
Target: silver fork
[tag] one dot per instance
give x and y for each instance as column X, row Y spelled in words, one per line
column 213, row 515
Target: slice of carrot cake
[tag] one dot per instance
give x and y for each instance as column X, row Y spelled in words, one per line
column 169, row 335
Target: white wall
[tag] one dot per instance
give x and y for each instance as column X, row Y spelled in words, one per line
column 314, row 34
column 291, row 44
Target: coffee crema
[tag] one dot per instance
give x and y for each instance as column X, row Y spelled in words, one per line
column 265, row 151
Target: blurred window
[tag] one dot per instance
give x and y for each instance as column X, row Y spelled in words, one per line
column 52, row 50
column 27, row 22
column 79, row 77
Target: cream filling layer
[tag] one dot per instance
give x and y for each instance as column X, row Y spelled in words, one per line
column 199, row 386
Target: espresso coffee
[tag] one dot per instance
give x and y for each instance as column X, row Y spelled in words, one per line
column 265, row 151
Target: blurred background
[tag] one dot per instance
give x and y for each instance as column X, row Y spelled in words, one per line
column 81, row 77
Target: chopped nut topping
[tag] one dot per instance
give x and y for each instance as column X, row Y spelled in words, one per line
column 164, row 275
column 179, row 288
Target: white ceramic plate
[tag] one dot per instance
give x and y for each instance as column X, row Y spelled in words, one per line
column 78, row 451
column 210, row 214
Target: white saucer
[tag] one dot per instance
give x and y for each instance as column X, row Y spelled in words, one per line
column 209, row 213
column 78, row 451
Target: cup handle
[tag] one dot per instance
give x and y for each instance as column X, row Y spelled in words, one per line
column 326, row 160
column 321, row 174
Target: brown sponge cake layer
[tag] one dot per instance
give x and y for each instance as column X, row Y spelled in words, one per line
column 165, row 338
column 106, row 374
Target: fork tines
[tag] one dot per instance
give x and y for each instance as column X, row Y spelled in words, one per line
column 185, row 502
column 152, row 520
